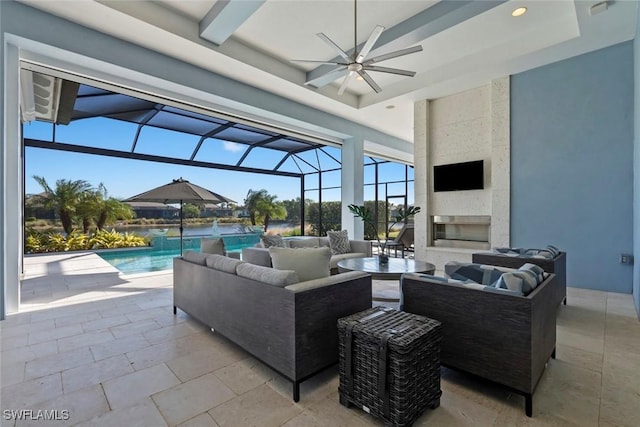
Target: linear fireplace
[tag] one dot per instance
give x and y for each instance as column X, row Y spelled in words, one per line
column 461, row 231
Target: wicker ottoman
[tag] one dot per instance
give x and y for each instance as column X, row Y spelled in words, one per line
column 390, row 364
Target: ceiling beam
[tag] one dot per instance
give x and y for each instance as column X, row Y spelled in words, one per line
column 439, row 17
column 225, row 17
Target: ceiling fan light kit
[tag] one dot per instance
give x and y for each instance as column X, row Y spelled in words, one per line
column 358, row 64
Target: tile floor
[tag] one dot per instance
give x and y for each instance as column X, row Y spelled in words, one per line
column 108, row 349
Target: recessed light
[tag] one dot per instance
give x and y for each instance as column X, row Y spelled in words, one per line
column 519, row 11
column 390, row 107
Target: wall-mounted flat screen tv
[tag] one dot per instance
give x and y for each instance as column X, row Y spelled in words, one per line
column 459, row 176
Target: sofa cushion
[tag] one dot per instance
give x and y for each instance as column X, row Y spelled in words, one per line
column 270, row 276
column 212, row 246
column 223, row 263
column 195, row 257
column 519, row 281
column 536, row 270
column 309, row 263
column 333, row 262
column 339, row 242
column 304, row 243
column 479, row 273
column 272, row 240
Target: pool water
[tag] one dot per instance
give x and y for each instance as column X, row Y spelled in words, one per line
column 132, row 261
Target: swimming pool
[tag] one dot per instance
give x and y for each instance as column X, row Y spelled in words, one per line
column 160, row 256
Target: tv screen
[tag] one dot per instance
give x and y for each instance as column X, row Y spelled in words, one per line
column 459, row 176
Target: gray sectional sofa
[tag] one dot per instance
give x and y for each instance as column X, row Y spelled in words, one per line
column 499, row 336
column 556, row 265
column 290, row 326
column 259, row 255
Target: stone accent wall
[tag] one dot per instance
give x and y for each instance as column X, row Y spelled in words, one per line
column 472, row 125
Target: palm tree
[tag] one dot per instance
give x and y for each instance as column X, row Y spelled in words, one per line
column 64, row 199
column 261, row 204
column 109, row 209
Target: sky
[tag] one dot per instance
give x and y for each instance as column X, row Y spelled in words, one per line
column 124, row 178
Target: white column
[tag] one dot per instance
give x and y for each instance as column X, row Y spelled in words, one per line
column 352, row 185
column 421, row 177
column 11, row 185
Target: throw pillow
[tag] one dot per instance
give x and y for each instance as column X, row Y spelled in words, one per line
column 274, row 240
column 339, row 242
column 271, row 276
column 195, row 257
column 304, row 243
column 212, row 246
column 223, row 263
column 309, row 263
column 478, row 273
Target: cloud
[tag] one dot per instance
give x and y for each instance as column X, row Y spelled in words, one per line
column 233, row 146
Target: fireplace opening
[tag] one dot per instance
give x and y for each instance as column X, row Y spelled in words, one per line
column 462, row 231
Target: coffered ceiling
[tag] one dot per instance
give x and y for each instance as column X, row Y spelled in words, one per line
column 465, row 43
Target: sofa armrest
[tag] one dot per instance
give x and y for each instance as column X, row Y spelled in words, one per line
column 361, row 246
column 257, row 256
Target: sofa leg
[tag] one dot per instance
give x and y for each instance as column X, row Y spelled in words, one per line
column 175, row 310
column 553, row 353
column 565, row 301
column 296, row 391
column 528, row 404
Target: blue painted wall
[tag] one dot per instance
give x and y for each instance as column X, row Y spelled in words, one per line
column 636, row 168
column 572, row 139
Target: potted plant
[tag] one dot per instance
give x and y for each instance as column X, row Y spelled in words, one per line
column 367, row 217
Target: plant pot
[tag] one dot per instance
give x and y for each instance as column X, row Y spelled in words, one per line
column 383, row 259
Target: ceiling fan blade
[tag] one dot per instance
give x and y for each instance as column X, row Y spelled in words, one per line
column 373, row 38
column 367, row 78
column 389, row 70
column 337, row 48
column 345, row 82
column 318, row 62
column 328, row 77
column 395, row 54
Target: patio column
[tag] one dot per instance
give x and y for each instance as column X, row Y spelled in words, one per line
column 352, row 184
column 10, row 186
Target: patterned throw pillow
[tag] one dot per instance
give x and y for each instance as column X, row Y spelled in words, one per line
column 339, row 242
column 478, row 273
column 212, row 246
column 272, row 240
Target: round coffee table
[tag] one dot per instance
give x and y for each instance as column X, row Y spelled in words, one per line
column 391, row 271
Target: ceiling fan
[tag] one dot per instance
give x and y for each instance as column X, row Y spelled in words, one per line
column 358, row 62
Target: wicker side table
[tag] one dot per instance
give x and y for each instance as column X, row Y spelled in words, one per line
column 390, row 364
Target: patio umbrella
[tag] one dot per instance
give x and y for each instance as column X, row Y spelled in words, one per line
column 179, row 191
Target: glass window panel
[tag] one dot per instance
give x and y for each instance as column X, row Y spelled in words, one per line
column 326, row 161
column 182, row 123
column 331, row 195
column 38, row 130
column 411, row 194
column 332, row 179
column 311, row 181
column 287, row 145
column 391, row 171
column 370, row 174
column 217, row 151
column 242, row 135
column 163, row 142
column 289, row 166
column 309, row 157
column 110, row 104
column 194, row 115
column 263, row 158
column 91, row 133
column 396, row 189
column 306, row 168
